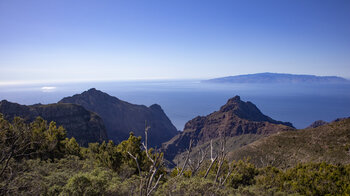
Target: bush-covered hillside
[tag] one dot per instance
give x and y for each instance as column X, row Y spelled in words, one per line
column 329, row 143
column 38, row 159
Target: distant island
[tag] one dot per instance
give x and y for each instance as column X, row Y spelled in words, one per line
column 278, row 78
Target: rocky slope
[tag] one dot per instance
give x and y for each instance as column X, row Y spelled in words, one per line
column 235, row 118
column 329, row 143
column 80, row 123
column 121, row 117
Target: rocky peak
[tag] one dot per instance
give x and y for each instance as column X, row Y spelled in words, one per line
column 234, row 100
column 5, row 103
column 95, row 93
column 156, row 107
column 121, row 117
column 246, row 110
column 93, row 98
column 93, row 90
column 317, row 123
column 235, row 118
column 232, row 104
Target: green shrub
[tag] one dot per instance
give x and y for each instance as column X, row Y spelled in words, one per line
column 92, row 183
column 191, row 186
column 243, row 174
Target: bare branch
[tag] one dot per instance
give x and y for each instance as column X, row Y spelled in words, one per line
column 145, row 144
column 211, row 165
column 137, row 163
column 200, row 161
column 155, row 186
column 211, row 150
column 157, row 161
column 222, row 156
column 228, row 174
column 187, row 158
column 153, row 170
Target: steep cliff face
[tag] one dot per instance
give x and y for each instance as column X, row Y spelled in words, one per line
column 121, row 117
column 80, row 123
column 235, row 118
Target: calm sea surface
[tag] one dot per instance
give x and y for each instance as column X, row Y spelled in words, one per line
column 300, row 104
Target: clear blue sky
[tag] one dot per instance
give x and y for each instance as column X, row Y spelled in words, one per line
column 65, row 40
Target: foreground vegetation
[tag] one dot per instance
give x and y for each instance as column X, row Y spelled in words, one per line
column 38, row 159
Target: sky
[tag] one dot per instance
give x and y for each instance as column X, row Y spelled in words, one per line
column 98, row 40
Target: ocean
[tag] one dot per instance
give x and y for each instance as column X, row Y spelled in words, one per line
column 300, row 104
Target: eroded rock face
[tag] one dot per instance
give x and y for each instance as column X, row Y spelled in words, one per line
column 234, row 118
column 121, row 117
column 80, row 123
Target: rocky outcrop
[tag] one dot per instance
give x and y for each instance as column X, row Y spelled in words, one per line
column 234, row 118
column 121, row 117
column 317, row 124
column 80, row 123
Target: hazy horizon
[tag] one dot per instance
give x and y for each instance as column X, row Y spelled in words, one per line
column 52, row 82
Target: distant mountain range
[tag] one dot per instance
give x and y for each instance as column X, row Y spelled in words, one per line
column 278, row 78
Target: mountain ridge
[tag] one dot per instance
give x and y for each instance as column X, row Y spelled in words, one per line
column 80, row 123
column 268, row 77
column 235, row 118
column 121, row 117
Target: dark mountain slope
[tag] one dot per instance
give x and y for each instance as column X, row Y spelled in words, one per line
column 121, row 117
column 80, row 123
column 330, row 143
column 235, row 118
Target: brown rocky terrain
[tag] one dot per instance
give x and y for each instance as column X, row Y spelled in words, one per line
column 235, row 118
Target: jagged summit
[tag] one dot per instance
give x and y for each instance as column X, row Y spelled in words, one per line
column 234, row 118
column 92, row 90
column 247, row 110
column 121, row 117
column 234, row 99
column 156, row 107
column 92, row 95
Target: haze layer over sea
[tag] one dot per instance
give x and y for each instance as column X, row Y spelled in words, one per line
column 300, row 104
